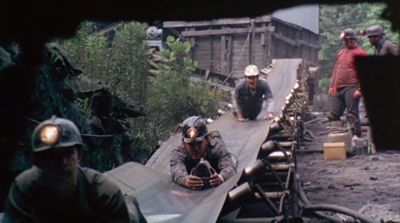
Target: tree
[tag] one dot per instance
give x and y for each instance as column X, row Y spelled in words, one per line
column 115, row 71
column 172, row 97
column 118, row 60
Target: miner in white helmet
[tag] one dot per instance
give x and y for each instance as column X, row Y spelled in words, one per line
column 253, row 98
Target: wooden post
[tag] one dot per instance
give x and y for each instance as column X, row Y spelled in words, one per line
column 229, row 54
column 263, row 43
column 211, row 53
column 268, row 48
column 223, row 54
column 192, row 43
column 251, row 43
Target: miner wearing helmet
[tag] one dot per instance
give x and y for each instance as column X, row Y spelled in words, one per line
column 345, row 89
column 200, row 151
column 57, row 189
column 252, row 98
column 382, row 46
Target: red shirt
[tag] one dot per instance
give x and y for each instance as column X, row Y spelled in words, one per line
column 344, row 73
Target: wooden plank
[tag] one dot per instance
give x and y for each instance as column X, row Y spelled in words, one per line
column 268, row 49
column 285, row 39
column 296, row 42
column 229, row 54
column 226, row 31
column 223, row 54
column 216, row 22
column 263, row 47
column 211, row 53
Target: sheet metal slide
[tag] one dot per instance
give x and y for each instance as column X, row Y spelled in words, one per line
column 161, row 200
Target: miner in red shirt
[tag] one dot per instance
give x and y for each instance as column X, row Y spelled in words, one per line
column 345, row 89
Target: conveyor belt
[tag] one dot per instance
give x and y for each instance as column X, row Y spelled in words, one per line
column 161, row 200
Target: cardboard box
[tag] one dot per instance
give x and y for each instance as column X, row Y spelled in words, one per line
column 334, row 151
column 341, row 137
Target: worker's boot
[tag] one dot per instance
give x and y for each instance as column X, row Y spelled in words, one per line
column 354, row 125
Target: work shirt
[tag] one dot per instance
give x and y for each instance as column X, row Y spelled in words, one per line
column 97, row 199
column 344, row 72
column 251, row 102
column 216, row 154
column 386, row 47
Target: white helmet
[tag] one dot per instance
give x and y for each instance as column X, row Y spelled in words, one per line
column 251, row 71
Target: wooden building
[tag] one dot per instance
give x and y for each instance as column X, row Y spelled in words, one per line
column 223, row 47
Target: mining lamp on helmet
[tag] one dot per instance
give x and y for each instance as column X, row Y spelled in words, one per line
column 192, row 136
column 49, row 134
column 342, row 35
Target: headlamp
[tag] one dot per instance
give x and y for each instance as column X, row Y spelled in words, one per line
column 192, row 133
column 192, row 136
column 49, row 134
column 342, row 34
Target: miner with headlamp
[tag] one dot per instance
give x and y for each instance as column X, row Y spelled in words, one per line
column 382, row 45
column 345, row 90
column 202, row 159
column 57, row 189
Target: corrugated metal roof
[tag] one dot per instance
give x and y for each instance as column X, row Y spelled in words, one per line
column 306, row 16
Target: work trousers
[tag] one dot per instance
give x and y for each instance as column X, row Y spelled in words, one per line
column 344, row 99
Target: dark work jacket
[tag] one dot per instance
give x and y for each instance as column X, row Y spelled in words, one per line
column 97, row 200
column 386, row 47
column 217, row 155
column 251, row 105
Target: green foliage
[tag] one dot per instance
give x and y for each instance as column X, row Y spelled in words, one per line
column 334, row 18
column 119, row 62
column 128, row 77
column 324, row 84
column 172, row 97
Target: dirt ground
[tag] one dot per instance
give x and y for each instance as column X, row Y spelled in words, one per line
column 368, row 183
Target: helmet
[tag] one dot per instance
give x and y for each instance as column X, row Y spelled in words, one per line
column 251, row 71
column 194, row 129
column 375, row 30
column 55, row 133
column 348, row 34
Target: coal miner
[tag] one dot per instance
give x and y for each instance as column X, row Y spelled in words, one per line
column 202, row 159
column 382, row 45
column 253, row 98
column 56, row 188
column 345, row 88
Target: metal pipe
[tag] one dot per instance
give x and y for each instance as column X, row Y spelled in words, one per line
column 271, row 195
column 252, row 220
column 281, row 166
column 266, row 199
column 318, row 213
column 339, row 209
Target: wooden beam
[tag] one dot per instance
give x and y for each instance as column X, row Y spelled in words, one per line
column 269, row 48
column 229, row 54
column 263, row 47
column 223, row 54
column 226, row 31
column 211, row 53
column 252, row 44
column 285, row 39
column 216, row 22
column 311, row 45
